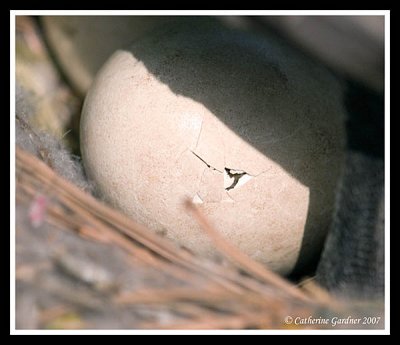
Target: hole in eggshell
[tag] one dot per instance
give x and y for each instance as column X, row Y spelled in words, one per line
column 235, row 178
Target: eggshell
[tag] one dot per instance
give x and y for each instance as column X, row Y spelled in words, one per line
column 246, row 128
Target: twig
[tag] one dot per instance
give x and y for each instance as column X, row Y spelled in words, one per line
column 243, row 260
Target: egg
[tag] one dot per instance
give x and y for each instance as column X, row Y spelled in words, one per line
column 245, row 127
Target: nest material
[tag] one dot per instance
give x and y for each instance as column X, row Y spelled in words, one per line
column 237, row 293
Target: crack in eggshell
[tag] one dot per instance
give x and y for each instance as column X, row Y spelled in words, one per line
column 210, row 183
column 208, row 165
column 210, row 145
column 196, row 199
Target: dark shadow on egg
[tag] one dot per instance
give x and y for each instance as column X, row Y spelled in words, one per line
column 261, row 90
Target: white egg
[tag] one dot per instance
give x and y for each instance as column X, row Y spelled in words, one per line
column 249, row 130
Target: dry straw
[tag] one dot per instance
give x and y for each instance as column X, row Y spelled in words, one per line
column 242, row 294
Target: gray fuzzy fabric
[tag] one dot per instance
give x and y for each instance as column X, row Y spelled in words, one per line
column 45, row 146
column 352, row 263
